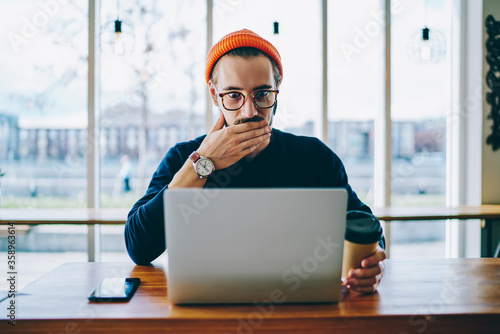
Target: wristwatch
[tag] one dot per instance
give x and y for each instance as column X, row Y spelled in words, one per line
column 202, row 166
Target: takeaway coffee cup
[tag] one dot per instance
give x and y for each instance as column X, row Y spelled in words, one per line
column 362, row 234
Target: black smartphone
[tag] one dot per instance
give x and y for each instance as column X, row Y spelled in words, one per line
column 115, row 290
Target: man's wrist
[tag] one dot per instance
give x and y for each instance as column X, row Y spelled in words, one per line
column 203, row 166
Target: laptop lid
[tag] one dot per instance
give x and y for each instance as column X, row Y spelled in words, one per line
column 254, row 245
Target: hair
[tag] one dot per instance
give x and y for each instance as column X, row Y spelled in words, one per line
column 246, row 53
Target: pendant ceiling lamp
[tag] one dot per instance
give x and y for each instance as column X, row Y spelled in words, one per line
column 118, row 45
column 427, row 45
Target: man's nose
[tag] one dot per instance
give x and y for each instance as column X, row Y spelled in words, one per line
column 249, row 109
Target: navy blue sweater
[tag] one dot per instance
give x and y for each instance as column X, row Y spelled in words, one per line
column 288, row 161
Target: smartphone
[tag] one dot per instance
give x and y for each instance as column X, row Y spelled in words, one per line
column 115, row 290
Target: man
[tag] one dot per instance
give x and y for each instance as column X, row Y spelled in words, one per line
column 242, row 150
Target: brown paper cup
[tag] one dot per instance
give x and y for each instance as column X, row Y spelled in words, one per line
column 354, row 254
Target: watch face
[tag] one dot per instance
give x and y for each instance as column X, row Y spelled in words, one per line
column 204, row 167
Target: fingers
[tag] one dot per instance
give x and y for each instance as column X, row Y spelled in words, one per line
column 245, row 127
column 248, row 146
column 364, row 272
column 227, row 145
column 371, row 288
column 245, row 136
column 219, row 124
column 364, row 285
column 365, row 280
column 361, row 282
column 374, row 259
column 252, row 144
column 237, row 149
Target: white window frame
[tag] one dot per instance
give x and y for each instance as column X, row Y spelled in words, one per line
column 93, row 147
column 464, row 125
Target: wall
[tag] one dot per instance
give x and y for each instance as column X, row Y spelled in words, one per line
column 490, row 159
column 490, row 192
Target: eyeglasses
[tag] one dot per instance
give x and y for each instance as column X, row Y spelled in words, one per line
column 263, row 99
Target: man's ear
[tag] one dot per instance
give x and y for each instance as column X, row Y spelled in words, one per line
column 213, row 93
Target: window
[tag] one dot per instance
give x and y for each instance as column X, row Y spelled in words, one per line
column 43, row 96
column 420, row 102
column 152, row 97
column 299, row 100
column 43, row 125
column 355, row 87
column 421, row 91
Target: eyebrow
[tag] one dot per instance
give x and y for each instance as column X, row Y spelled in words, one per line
column 265, row 86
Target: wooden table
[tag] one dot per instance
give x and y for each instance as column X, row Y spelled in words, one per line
column 416, row 296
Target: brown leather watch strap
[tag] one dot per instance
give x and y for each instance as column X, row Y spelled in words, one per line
column 194, row 156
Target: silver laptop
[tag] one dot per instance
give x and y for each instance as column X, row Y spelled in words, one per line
column 254, row 245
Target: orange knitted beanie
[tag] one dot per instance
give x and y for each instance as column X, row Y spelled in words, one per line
column 238, row 39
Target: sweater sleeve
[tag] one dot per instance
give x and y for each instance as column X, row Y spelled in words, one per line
column 334, row 175
column 145, row 228
column 339, row 179
column 353, row 202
